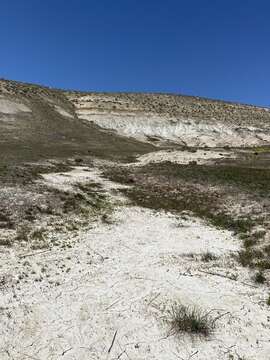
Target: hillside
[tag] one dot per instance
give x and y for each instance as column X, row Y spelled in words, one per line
column 189, row 121
column 38, row 123
column 44, row 122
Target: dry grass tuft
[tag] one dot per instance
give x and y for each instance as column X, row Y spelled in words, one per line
column 190, row 319
column 259, row 278
column 208, row 256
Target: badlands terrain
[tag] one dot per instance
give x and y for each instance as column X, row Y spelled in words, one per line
column 133, row 226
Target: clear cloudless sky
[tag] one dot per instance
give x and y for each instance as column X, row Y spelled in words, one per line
column 211, row 48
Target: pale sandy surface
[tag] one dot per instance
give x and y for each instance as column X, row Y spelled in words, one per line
column 183, row 157
column 118, row 280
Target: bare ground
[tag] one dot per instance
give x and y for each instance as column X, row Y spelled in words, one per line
column 107, row 296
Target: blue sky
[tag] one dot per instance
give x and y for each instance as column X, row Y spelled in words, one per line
column 218, row 49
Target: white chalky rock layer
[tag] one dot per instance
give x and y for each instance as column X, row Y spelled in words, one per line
column 12, row 107
column 191, row 132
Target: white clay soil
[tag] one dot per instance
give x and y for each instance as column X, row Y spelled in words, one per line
column 107, row 296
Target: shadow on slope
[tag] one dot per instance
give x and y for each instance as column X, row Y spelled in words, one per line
column 51, row 129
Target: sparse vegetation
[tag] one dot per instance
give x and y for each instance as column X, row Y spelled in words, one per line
column 61, row 210
column 3, row 281
column 5, row 241
column 259, row 278
column 248, row 242
column 264, row 263
column 5, row 221
column 38, row 238
column 258, row 235
column 38, row 233
column 244, row 178
column 23, row 231
column 261, row 149
column 249, row 257
column 208, row 256
column 202, row 204
column 205, row 191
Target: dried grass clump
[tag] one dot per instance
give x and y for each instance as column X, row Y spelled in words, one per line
column 190, row 319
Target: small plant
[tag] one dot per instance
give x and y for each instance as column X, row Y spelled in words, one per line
column 5, row 241
column 38, row 238
column 39, row 245
column 190, row 319
column 259, row 234
column 38, row 234
column 107, row 219
column 3, row 281
column 248, row 242
column 23, row 231
column 259, row 278
column 78, row 160
column 208, row 256
column 249, row 256
column 190, row 255
column 5, row 222
column 264, row 264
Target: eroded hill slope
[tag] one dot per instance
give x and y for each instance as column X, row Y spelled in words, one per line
column 185, row 120
column 39, row 123
column 44, row 122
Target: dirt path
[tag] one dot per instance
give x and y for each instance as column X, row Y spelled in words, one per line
column 106, row 297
